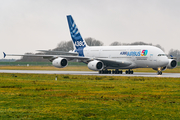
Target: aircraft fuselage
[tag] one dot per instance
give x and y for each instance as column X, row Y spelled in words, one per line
column 139, row 56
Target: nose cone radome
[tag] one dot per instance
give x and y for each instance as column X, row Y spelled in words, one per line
column 163, row 61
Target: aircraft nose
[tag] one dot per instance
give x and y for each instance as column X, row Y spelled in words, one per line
column 164, row 61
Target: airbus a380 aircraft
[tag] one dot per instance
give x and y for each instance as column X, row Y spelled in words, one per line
column 102, row 58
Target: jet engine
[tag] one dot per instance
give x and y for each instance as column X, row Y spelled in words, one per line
column 172, row 64
column 59, row 62
column 95, row 65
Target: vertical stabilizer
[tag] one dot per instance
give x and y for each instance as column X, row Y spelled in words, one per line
column 78, row 42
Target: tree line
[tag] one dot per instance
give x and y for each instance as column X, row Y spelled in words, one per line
column 68, row 46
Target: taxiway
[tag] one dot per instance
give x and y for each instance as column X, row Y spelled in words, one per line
column 141, row 74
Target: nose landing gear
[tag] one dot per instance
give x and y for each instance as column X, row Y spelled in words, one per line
column 159, row 72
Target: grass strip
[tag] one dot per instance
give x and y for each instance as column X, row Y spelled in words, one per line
column 36, row 96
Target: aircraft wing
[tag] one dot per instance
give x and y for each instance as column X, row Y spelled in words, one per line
column 107, row 62
column 51, row 57
column 30, row 55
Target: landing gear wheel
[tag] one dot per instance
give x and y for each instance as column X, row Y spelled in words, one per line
column 116, row 71
column 159, row 73
column 129, row 72
column 105, row 71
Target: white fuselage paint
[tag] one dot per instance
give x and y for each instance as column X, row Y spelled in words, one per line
column 130, row 54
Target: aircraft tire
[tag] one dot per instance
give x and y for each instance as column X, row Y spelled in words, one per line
column 116, row 71
column 159, row 73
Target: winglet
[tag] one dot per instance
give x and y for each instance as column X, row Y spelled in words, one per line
column 4, row 54
column 171, row 56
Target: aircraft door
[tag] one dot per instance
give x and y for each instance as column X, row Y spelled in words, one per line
column 133, row 58
column 88, row 52
column 153, row 60
column 151, row 57
column 99, row 52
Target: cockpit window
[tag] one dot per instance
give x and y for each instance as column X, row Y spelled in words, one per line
column 162, row 55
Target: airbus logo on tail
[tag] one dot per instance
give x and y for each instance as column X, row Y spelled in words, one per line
column 74, row 30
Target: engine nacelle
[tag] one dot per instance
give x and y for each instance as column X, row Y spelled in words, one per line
column 172, row 64
column 59, row 62
column 95, row 65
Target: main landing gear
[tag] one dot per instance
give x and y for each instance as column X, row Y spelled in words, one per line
column 129, row 72
column 105, row 71
column 116, row 71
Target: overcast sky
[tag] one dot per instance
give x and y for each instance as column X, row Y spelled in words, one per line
column 29, row 25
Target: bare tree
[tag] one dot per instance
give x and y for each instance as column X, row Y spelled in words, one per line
column 115, row 43
column 67, row 46
column 159, row 47
column 175, row 53
column 64, row 46
column 93, row 42
column 137, row 43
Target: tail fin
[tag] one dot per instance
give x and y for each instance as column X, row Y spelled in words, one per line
column 78, row 41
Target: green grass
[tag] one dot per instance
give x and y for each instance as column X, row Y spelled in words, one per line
column 40, row 96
